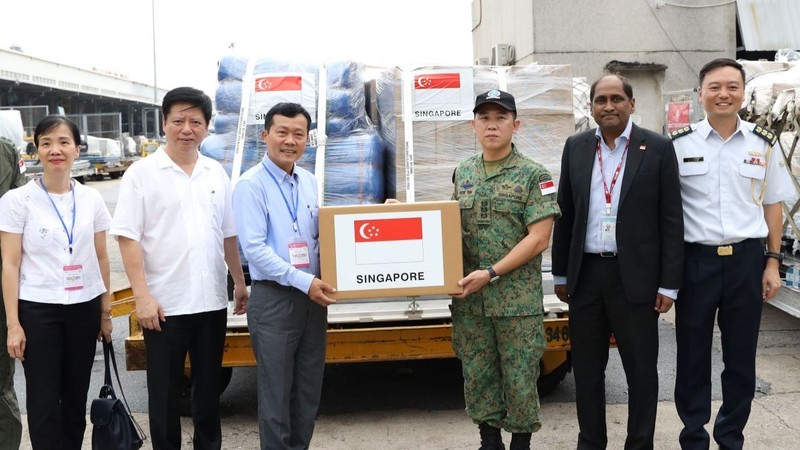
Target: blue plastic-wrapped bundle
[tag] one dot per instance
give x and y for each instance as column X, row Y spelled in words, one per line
column 228, row 97
column 354, row 169
column 345, row 74
column 390, row 125
column 345, row 99
column 226, row 123
column 231, row 67
column 221, row 147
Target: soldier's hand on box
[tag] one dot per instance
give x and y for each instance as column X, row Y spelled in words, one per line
column 473, row 282
column 561, row 292
column 317, row 292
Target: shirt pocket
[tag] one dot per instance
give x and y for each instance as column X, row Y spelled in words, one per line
column 214, row 203
column 506, row 206
column 689, row 169
column 754, row 171
column 313, row 212
column 467, row 205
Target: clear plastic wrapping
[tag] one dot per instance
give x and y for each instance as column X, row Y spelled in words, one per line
column 354, row 153
column 544, row 96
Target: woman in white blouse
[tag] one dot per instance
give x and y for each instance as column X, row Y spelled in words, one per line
column 55, row 281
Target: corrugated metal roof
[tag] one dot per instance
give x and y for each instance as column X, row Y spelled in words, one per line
column 769, row 24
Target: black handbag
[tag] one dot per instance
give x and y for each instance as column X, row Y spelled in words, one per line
column 114, row 425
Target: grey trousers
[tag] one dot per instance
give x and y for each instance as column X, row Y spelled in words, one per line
column 288, row 335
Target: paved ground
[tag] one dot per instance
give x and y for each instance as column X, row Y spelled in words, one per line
column 419, row 405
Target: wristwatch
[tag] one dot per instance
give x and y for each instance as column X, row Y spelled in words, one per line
column 778, row 256
column 493, row 276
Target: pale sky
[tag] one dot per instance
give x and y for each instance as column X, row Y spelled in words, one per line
column 191, row 36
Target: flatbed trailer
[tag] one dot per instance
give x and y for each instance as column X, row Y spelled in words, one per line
column 113, row 170
column 371, row 331
column 80, row 172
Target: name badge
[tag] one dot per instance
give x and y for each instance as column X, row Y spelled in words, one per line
column 73, row 277
column 298, row 254
column 608, row 229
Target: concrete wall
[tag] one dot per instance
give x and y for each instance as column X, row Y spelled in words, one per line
column 590, row 33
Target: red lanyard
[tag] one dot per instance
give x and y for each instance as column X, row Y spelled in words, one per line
column 616, row 173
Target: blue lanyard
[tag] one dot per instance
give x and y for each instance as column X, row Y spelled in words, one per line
column 71, row 231
column 285, row 201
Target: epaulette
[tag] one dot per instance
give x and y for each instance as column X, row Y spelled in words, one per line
column 675, row 134
column 766, row 135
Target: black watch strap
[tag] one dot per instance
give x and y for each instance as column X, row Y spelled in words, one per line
column 775, row 255
column 493, row 276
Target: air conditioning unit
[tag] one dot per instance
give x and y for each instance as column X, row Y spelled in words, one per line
column 502, row 55
column 483, row 61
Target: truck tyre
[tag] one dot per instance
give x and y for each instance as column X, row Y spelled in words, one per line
column 548, row 382
column 186, row 392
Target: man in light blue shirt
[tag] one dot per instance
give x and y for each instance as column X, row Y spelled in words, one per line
column 275, row 206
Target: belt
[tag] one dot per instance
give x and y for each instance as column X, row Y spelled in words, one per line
column 720, row 250
column 602, row 254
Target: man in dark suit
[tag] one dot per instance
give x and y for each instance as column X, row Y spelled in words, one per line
column 617, row 257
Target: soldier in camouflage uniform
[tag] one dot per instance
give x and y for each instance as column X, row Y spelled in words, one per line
column 508, row 206
column 10, row 424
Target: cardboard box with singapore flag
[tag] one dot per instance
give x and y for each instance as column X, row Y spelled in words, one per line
column 391, row 250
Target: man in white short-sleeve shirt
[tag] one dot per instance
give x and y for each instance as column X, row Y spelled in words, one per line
column 176, row 233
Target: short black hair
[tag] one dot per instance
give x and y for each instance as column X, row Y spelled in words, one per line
column 52, row 121
column 192, row 96
column 626, row 85
column 718, row 63
column 286, row 109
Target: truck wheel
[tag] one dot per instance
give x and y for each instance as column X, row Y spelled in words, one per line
column 114, row 175
column 186, row 392
column 548, row 382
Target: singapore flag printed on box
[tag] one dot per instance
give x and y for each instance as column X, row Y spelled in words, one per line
column 384, row 241
column 269, row 89
column 443, row 94
column 389, row 250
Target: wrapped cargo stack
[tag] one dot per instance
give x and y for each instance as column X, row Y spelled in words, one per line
column 354, row 151
column 442, row 100
column 271, row 81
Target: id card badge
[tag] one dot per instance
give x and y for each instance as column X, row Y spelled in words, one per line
column 298, row 254
column 73, row 277
column 608, row 229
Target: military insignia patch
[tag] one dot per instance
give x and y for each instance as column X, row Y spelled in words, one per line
column 547, row 187
column 675, row 134
column 766, row 135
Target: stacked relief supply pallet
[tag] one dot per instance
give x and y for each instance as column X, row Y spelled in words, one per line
column 343, row 150
column 421, row 160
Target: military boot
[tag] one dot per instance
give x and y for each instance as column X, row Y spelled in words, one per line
column 520, row 441
column 490, row 438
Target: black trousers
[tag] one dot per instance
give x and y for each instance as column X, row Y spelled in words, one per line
column 59, row 352
column 599, row 308
column 728, row 287
column 202, row 336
